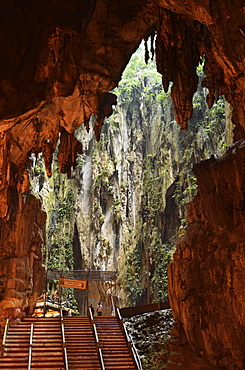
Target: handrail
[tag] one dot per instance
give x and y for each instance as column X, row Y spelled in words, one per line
column 61, row 314
column 64, row 345
column 5, row 336
column 30, row 347
column 136, row 357
column 44, row 304
column 96, row 334
column 90, row 314
column 63, row 339
column 132, row 349
column 113, row 305
column 97, row 342
column 98, row 347
column 131, row 345
column 101, row 359
column 118, row 314
column 139, row 310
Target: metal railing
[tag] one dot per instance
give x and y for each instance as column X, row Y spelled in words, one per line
column 30, row 347
column 97, row 342
column 4, row 337
column 101, row 359
column 98, row 347
column 113, row 306
column 63, row 339
column 131, row 345
column 90, row 315
column 139, row 310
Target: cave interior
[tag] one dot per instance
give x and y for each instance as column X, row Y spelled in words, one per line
column 59, row 62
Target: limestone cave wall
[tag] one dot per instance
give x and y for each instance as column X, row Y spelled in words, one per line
column 22, row 272
column 133, row 185
column 59, row 60
column 207, row 275
column 125, row 201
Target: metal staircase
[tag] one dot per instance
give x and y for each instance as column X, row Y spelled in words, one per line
column 35, row 343
column 80, row 344
column 116, row 354
column 91, row 343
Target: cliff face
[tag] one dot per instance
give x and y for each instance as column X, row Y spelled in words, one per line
column 59, row 60
column 133, row 185
column 58, row 64
column 208, row 308
column 124, row 205
column 22, row 272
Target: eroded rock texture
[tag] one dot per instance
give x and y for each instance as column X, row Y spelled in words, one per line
column 207, row 275
column 55, row 50
column 22, row 272
column 59, row 60
column 201, row 28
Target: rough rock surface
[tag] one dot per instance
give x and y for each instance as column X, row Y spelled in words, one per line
column 22, row 272
column 206, row 278
column 150, row 333
column 59, row 60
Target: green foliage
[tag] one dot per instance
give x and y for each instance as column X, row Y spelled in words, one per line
column 54, row 260
column 66, row 206
column 199, row 69
column 161, row 255
column 39, row 170
column 133, row 265
column 79, row 161
column 105, row 246
column 60, row 235
column 185, row 189
column 157, row 355
column 60, row 232
column 152, row 184
column 139, row 78
column 60, row 253
column 218, row 108
column 102, row 178
column 116, row 206
column 163, row 96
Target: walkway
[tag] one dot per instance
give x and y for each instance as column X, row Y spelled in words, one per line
column 71, row 343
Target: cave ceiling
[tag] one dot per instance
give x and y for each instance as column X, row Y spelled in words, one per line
column 60, row 59
column 59, row 62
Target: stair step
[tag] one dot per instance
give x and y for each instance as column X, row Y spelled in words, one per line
column 20, row 359
column 42, row 367
column 85, row 359
column 91, row 352
column 48, row 353
column 79, row 347
column 13, row 365
column 119, row 366
column 10, row 345
column 47, row 346
column 108, row 351
column 115, row 356
column 47, row 363
column 86, row 367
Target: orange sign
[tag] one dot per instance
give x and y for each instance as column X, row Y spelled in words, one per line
column 72, row 283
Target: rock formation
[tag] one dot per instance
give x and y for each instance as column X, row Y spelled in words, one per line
column 121, row 203
column 59, row 60
column 206, row 277
column 58, row 64
column 22, row 272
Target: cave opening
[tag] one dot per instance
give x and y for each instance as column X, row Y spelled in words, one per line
column 59, row 63
column 128, row 235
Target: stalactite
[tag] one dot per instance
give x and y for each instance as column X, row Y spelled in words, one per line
column 66, row 56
